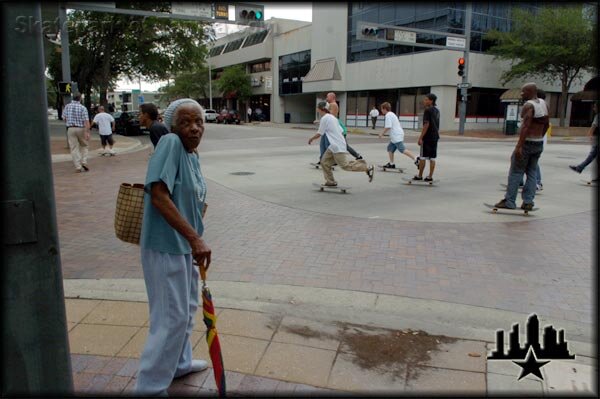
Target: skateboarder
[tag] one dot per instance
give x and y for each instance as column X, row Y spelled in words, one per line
column 393, row 128
column 527, row 152
column 429, row 137
column 337, row 151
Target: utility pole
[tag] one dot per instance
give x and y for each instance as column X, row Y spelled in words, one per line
column 35, row 346
column 465, row 78
column 64, row 55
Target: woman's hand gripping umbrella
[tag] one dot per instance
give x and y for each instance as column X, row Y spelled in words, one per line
column 214, row 347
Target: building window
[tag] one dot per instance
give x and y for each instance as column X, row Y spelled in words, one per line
column 260, row 67
column 292, row 69
column 441, row 16
column 234, row 45
column 482, row 104
column 216, row 50
column 256, row 38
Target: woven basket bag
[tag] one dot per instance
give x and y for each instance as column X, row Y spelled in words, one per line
column 129, row 212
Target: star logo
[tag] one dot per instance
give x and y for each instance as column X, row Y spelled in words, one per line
column 531, row 365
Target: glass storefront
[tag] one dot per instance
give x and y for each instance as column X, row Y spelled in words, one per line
column 292, row 70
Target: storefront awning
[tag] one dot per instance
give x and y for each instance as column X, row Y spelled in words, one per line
column 585, row 95
column 323, row 70
column 511, row 95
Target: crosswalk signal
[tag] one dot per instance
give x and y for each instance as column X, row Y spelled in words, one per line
column 247, row 13
column 461, row 66
column 65, row 88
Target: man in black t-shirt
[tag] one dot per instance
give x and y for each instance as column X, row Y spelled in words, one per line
column 149, row 119
column 429, row 137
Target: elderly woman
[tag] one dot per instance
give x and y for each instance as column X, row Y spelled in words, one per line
column 171, row 240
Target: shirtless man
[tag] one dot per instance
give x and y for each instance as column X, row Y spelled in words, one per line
column 527, row 152
column 334, row 110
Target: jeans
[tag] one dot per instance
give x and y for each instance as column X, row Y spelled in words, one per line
column 538, row 177
column 527, row 163
column 591, row 156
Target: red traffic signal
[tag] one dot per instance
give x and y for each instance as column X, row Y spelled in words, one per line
column 461, row 66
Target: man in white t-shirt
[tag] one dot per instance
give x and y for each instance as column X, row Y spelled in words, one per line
column 393, row 128
column 106, row 127
column 374, row 114
column 337, row 151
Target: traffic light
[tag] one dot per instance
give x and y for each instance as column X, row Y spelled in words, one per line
column 247, row 13
column 370, row 31
column 461, row 66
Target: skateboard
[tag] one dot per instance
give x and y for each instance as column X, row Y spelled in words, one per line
column 318, row 166
column 384, row 169
column 410, row 181
column 516, row 210
column 343, row 189
column 590, row 183
column 108, row 154
column 505, row 186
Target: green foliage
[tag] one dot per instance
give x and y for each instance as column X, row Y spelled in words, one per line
column 104, row 47
column 192, row 84
column 557, row 44
column 234, row 80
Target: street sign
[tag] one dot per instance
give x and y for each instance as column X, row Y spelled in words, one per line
column 204, row 10
column 405, row 36
column 222, row 11
column 456, row 42
column 464, row 85
column 136, row 91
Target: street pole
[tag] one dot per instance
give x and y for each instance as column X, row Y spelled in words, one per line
column 465, row 78
column 35, row 346
column 209, row 83
column 64, row 55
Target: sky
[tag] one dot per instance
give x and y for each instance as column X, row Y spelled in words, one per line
column 297, row 11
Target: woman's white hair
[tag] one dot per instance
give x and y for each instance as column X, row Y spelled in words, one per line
column 172, row 115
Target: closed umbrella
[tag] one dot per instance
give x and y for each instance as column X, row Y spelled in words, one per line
column 214, row 347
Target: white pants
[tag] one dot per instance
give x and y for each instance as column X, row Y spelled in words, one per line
column 78, row 145
column 172, row 286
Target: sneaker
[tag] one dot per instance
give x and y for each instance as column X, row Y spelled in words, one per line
column 78, row 170
column 575, row 169
column 417, row 159
column 199, row 365
column 318, row 163
column 502, row 204
column 526, row 207
column 103, row 152
column 428, row 178
column 539, row 187
column 329, row 184
column 85, row 167
column 111, row 152
column 371, row 173
column 417, row 178
column 390, row 166
column 359, row 158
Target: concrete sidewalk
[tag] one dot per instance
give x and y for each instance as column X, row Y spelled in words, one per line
column 299, row 341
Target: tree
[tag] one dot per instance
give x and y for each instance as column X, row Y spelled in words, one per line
column 235, row 83
column 106, row 46
column 556, row 44
column 192, row 84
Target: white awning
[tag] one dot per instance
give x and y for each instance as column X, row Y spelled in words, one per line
column 323, row 70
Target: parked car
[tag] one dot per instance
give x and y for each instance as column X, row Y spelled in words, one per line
column 210, row 115
column 229, row 117
column 128, row 124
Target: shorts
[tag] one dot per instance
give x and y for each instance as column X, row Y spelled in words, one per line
column 429, row 149
column 107, row 139
column 396, row 146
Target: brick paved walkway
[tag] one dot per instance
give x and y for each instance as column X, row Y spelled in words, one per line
column 542, row 266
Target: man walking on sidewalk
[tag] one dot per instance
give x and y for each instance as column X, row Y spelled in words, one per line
column 77, row 119
column 374, row 114
column 527, row 152
column 106, row 127
column 337, row 151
